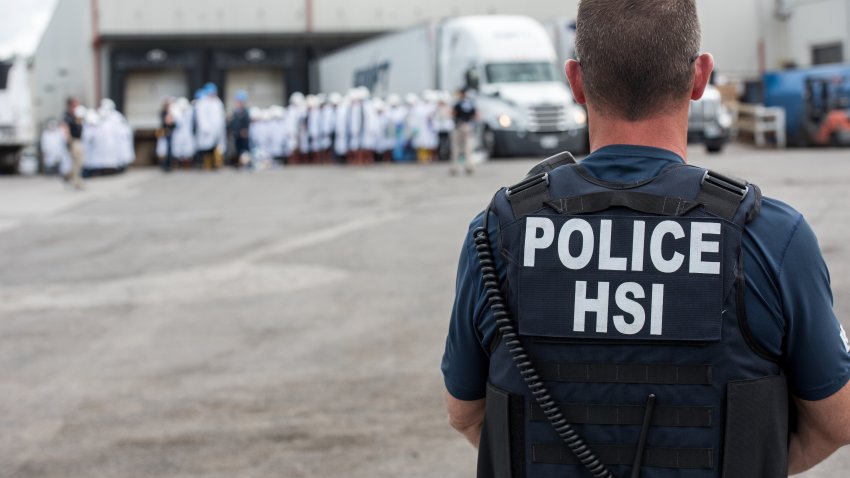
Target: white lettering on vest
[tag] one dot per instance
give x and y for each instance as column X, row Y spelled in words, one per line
column 700, row 246
column 582, row 227
column 532, row 242
column 583, row 305
column 606, row 262
column 629, row 306
column 655, row 247
column 657, row 314
column 637, row 246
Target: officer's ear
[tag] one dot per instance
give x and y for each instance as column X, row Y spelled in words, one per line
column 703, row 66
column 573, row 70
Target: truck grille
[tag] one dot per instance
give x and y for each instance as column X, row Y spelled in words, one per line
column 703, row 112
column 545, row 118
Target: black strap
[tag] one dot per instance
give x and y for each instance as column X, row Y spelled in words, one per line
column 529, row 195
column 641, row 202
column 654, row 374
column 677, row 458
column 532, row 193
column 663, row 416
column 721, row 195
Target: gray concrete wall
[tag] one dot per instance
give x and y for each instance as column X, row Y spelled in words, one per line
column 64, row 60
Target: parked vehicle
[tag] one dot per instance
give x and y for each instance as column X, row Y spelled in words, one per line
column 524, row 106
column 709, row 121
column 816, row 102
column 16, row 128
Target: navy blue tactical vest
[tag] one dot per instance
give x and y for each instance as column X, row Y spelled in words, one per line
column 621, row 292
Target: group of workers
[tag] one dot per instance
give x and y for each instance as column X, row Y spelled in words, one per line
column 355, row 128
column 88, row 142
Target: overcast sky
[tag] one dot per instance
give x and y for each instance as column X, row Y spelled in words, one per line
column 21, row 25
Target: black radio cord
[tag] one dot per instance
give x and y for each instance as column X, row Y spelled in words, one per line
column 526, row 369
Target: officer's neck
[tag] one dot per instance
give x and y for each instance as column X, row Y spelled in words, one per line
column 665, row 131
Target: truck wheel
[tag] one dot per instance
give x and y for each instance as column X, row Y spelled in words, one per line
column 488, row 142
column 714, row 146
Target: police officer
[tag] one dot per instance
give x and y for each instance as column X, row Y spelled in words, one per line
column 636, row 316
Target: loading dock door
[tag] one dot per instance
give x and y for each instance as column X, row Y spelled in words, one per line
column 144, row 94
column 264, row 86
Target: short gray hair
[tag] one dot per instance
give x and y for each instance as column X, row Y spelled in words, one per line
column 637, row 56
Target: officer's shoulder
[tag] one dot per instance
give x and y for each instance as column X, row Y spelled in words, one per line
column 776, row 226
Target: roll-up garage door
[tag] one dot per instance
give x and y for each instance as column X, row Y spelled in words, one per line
column 265, row 86
column 145, row 92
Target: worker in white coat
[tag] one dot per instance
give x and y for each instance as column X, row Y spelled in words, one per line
column 54, row 149
column 210, row 127
column 182, row 139
column 293, row 127
column 341, row 130
column 329, row 113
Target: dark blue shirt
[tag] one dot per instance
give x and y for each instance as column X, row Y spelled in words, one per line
column 788, row 297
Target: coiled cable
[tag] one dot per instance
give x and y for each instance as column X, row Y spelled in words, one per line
column 526, row 369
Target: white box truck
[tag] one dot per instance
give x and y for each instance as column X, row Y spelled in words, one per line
column 524, row 106
column 16, row 127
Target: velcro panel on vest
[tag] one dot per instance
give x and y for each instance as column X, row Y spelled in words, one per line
column 615, row 277
column 676, row 458
column 662, row 416
column 649, row 374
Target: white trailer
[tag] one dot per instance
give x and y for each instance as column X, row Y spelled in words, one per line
column 16, row 127
column 523, row 105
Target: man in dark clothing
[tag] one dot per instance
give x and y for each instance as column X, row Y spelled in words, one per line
column 633, row 315
column 166, row 134
column 240, row 123
column 462, row 137
column 73, row 126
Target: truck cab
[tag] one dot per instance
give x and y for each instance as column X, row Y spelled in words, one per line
column 16, row 130
column 524, row 106
column 709, row 121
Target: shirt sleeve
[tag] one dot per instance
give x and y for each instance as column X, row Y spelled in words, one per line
column 466, row 363
column 817, row 357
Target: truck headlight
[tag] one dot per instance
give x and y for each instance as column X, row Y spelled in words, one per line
column 724, row 119
column 505, row 121
column 580, row 117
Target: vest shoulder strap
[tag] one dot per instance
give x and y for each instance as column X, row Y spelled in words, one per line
column 532, row 193
column 722, row 195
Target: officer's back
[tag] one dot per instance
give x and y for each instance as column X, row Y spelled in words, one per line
column 636, row 316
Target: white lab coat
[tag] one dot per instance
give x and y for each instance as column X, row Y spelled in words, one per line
column 182, row 140
column 210, row 123
column 328, row 125
column 355, row 126
column 54, row 149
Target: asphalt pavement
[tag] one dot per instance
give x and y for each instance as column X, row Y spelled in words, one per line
column 287, row 323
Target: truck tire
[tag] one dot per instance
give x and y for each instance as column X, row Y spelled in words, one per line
column 488, row 142
column 714, row 146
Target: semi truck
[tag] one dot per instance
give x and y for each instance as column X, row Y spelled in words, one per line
column 506, row 61
column 16, row 127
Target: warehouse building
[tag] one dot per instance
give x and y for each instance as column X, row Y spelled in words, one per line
column 139, row 51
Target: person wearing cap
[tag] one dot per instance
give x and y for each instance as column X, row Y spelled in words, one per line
column 634, row 315
column 239, row 127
